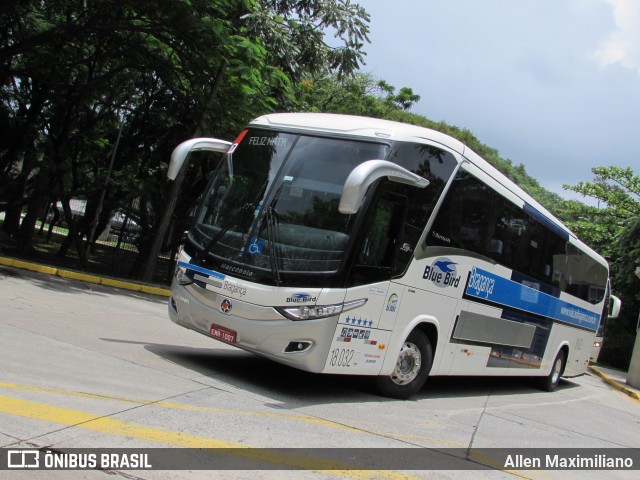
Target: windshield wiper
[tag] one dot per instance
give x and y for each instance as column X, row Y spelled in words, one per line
column 238, row 215
column 274, row 245
column 273, row 223
column 269, row 215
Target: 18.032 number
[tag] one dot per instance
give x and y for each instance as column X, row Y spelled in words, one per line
column 341, row 357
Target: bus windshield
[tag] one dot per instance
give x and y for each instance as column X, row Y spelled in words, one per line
column 273, row 202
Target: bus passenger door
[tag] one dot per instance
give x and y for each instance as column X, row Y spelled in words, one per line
column 362, row 335
column 379, row 245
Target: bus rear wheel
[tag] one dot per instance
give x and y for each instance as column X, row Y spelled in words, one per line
column 412, row 368
column 551, row 381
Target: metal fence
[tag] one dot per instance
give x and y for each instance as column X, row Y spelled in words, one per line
column 114, row 253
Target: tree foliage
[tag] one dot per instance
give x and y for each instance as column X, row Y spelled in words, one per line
column 620, row 333
column 358, row 94
column 75, row 74
column 616, row 194
column 362, row 94
column 613, row 229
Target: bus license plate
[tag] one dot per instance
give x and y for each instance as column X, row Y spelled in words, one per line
column 222, row 333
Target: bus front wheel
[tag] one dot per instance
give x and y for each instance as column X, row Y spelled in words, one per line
column 411, row 370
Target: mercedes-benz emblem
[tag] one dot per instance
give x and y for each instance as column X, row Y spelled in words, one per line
column 226, row 306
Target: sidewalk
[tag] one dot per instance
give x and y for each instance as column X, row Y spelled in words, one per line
column 616, row 378
column 84, row 277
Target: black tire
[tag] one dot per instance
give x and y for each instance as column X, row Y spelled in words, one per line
column 412, row 368
column 551, row 381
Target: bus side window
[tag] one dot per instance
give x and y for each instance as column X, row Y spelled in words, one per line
column 476, row 218
column 462, row 219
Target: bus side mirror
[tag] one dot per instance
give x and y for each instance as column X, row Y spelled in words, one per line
column 614, row 307
column 361, row 177
column 182, row 151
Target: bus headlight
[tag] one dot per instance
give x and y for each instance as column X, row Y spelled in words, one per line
column 313, row 312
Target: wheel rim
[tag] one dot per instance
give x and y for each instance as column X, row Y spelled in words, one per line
column 557, row 368
column 408, row 364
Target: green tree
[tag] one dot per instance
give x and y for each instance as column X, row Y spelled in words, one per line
column 620, row 332
column 616, row 192
column 289, row 37
column 362, row 94
column 114, row 61
column 405, row 98
column 613, row 228
column 76, row 73
column 358, row 94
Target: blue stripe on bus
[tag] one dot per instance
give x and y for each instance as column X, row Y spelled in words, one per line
column 196, row 268
column 493, row 288
column 547, row 222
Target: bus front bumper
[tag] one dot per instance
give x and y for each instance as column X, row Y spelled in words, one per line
column 259, row 329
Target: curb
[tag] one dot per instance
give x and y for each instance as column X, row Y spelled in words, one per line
column 614, row 383
column 84, row 277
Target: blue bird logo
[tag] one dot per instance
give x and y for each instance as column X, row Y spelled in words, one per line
column 444, row 266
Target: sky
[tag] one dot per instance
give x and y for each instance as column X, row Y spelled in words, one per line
column 551, row 84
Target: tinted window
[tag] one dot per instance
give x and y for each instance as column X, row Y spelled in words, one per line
column 462, row 220
column 584, row 277
column 435, row 165
column 273, row 202
column 475, row 218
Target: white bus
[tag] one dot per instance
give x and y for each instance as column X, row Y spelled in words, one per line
column 348, row 245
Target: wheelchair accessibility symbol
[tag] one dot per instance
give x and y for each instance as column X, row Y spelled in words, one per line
column 255, row 246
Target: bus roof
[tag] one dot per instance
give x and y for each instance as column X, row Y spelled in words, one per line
column 358, row 126
column 350, row 125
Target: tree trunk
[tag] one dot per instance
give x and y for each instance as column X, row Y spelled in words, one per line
column 73, row 237
column 146, row 273
column 35, row 208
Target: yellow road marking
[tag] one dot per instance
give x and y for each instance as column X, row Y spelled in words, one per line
column 420, row 438
column 432, row 425
column 112, row 426
column 179, row 406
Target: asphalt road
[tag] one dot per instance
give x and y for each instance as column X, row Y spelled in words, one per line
column 89, row 366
